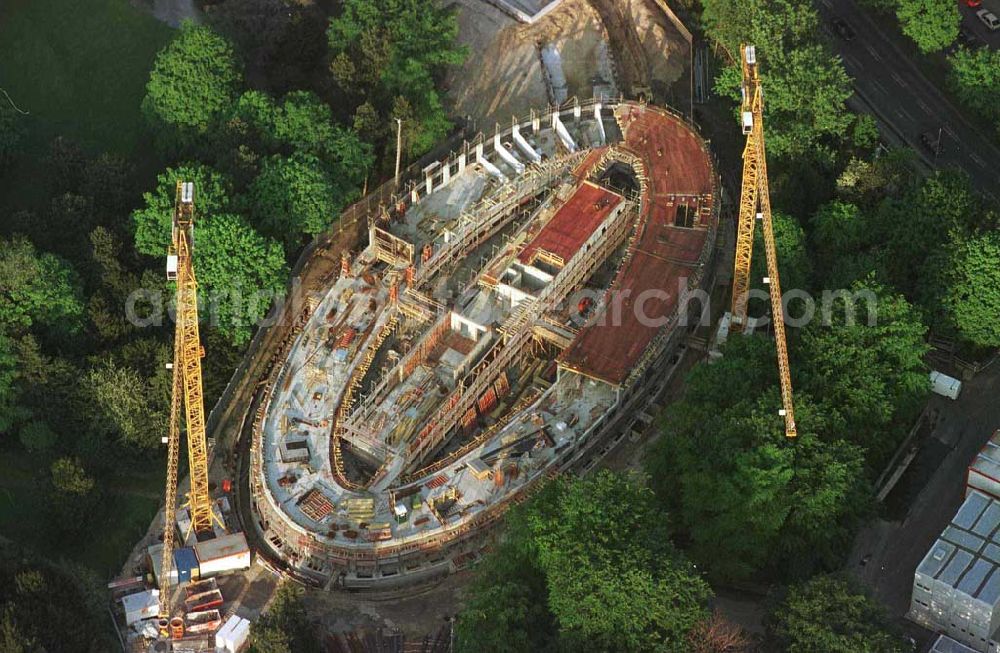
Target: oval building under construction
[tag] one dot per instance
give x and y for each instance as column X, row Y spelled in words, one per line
column 512, row 314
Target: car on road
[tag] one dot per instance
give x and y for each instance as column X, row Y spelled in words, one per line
column 973, row 3
column 843, row 29
column 989, row 19
column 931, row 140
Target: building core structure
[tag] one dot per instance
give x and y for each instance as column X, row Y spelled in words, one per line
column 507, row 313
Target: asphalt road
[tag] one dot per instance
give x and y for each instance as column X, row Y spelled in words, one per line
column 897, row 547
column 907, row 102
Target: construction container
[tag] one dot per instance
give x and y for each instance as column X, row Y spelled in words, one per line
column 956, row 588
column 155, row 553
column 984, row 472
column 222, row 554
column 945, row 385
column 233, row 635
column 945, row 644
column 187, row 565
column 142, row 605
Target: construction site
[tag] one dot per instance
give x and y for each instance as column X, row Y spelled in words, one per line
column 501, row 319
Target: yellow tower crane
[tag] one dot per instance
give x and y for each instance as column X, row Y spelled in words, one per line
column 186, row 370
column 755, row 203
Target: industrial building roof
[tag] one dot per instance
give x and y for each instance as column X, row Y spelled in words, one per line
column 965, row 556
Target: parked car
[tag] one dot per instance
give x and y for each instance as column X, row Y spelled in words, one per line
column 969, row 40
column 989, row 19
column 973, row 3
column 843, row 29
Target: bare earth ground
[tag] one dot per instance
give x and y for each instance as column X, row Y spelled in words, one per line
column 503, row 75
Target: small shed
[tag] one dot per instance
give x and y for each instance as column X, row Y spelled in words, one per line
column 187, row 565
column 141, row 605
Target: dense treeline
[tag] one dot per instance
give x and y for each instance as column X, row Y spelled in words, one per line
column 882, row 256
column 255, row 106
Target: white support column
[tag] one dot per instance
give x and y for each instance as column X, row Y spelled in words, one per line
column 429, row 181
column 525, row 146
column 600, row 123
column 560, row 130
column 461, row 163
column 414, row 195
column 446, row 173
column 506, row 155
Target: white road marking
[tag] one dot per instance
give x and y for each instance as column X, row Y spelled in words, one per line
column 922, row 105
column 978, row 159
column 896, row 78
column 878, row 85
column 951, row 133
column 852, row 61
column 903, row 113
column 873, row 52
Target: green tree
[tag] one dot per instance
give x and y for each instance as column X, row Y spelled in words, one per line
column 37, row 290
column 975, row 77
column 794, row 264
column 126, row 406
column 284, row 628
column 864, row 358
column 389, row 50
column 932, row 24
column 239, row 273
column 37, row 437
column 193, row 83
column 748, row 500
column 828, row 614
column 212, row 192
column 612, row 579
column 12, row 132
column 973, row 294
column 806, row 86
column 294, row 196
column 9, row 390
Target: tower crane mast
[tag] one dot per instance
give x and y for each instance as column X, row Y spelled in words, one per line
column 755, row 203
column 187, row 388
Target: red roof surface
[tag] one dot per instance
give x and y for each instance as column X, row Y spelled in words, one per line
column 573, row 223
column 679, row 173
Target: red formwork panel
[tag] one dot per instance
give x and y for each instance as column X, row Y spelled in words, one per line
column 679, row 173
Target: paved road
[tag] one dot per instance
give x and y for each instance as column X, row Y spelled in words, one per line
column 972, row 24
column 897, row 547
column 903, row 99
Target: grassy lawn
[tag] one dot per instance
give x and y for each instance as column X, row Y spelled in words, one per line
column 79, row 69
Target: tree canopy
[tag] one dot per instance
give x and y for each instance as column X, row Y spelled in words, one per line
column 975, row 77
column 973, row 292
column 586, row 563
column 294, row 196
column 284, row 628
column 193, row 83
column 213, row 192
column 828, row 614
column 12, row 132
column 932, row 24
column 37, row 290
column 240, row 273
column 806, row 86
column 394, row 52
